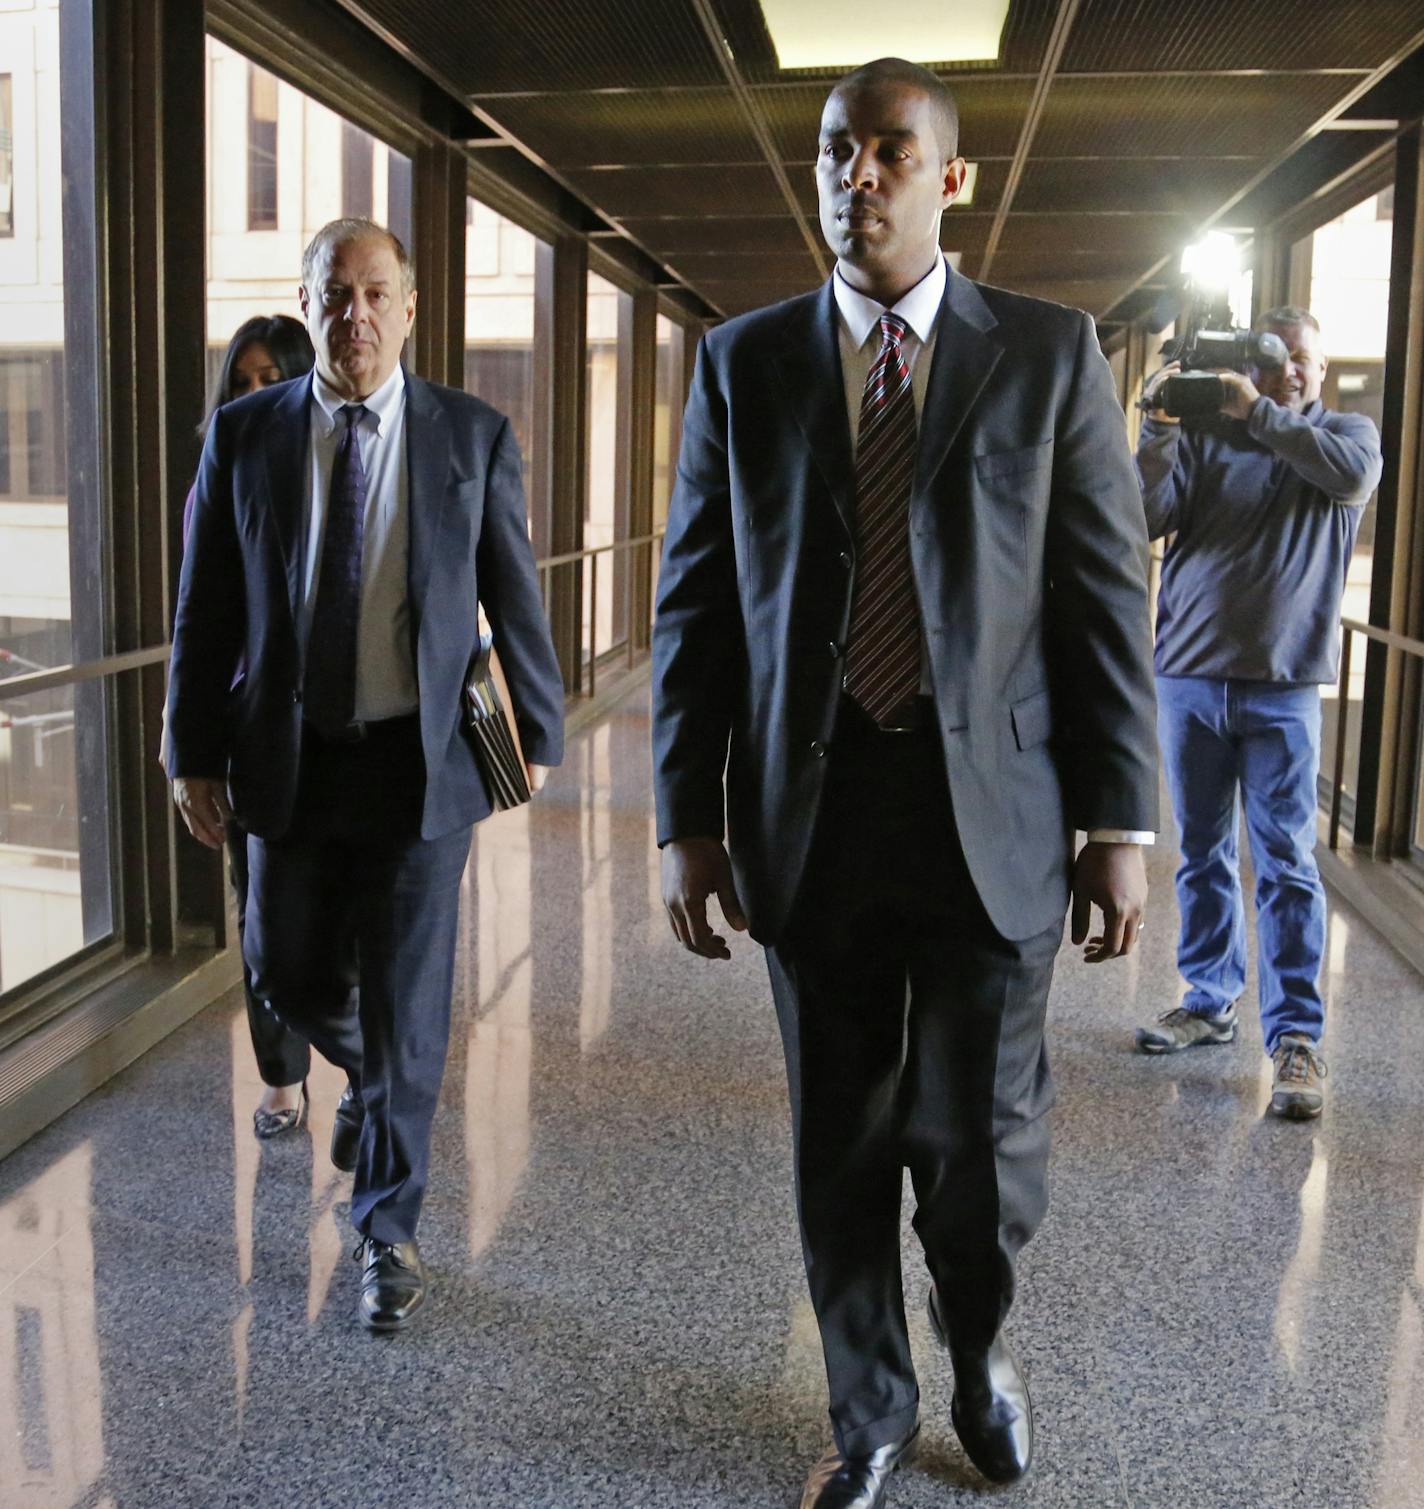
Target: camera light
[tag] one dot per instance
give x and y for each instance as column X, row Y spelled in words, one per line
column 1213, row 262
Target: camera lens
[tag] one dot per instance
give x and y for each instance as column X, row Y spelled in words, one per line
column 1270, row 350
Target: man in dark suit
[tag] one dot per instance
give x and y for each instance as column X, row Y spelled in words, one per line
column 345, row 528
column 903, row 606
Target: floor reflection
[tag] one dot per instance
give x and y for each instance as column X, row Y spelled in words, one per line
column 52, row 1452
column 498, row 1043
column 1222, row 1310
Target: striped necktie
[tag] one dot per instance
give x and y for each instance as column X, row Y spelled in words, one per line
column 329, row 695
column 883, row 656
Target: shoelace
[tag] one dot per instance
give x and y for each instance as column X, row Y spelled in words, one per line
column 1296, row 1062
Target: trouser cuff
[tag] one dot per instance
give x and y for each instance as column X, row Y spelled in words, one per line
column 861, row 1440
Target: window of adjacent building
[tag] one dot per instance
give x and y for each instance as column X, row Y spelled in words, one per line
column 56, row 874
column 7, row 156
column 1341, row 272
column 261, row 149
column 356, row 171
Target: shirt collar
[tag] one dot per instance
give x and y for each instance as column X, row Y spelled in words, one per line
column 919, row 308
column 384, row 403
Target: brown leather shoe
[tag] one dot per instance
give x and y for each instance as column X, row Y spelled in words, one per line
column 840, row 1482
column 1298, row 1086
column 991, row 1409
column 392, row 1283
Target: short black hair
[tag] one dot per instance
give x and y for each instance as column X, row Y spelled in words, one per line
column 1286, row 314
column 287, row 343
column 934, row 88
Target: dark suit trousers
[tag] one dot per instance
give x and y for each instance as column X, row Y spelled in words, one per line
column 354, row 869
column 283, row 1057
column 914, row 1039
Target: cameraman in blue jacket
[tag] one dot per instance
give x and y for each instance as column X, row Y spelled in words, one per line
column 1263, row 505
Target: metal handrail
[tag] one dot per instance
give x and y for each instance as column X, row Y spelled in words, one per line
column 30, row 682
column 553, row 562
column 1349, row 628
column 87, row 670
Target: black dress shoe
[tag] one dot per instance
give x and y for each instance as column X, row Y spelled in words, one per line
column 991, row 1409
column 346, row 1126
column 841, row 1482
column 392, row 1283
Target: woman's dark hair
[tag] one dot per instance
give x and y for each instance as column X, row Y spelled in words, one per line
column 287, row 344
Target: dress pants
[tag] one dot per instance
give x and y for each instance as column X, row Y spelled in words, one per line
column 353, row 868
column 283, row 1056
column 914, row 1039
column 1262, row 739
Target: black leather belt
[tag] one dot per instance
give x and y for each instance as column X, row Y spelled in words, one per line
column 852, row 720
column 359, row 729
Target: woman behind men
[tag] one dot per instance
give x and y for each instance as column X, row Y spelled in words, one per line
column 264, row 350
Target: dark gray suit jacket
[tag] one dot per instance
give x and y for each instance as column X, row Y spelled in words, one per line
column 1029, row 549
column 240, row 587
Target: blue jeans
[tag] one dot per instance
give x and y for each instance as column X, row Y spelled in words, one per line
column 1260, row 739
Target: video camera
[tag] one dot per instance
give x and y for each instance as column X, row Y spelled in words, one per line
column 1209, row 338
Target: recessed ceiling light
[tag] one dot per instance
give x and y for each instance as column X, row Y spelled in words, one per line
column 832, row 33
column 966, row 194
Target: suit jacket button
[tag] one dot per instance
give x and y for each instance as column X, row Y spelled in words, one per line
column 835, row 650
column 818, row 749
column 296, row 695
column 847, row 560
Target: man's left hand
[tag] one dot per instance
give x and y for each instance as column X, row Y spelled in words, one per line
column 1240, row 394
column 537, row 774
column 1113, row 878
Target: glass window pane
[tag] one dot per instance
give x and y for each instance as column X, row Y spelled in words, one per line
column 1347, row 262
column 605, row 502
column 667, row 415
column 302, row 165
column 499, row 319
column 56, row 884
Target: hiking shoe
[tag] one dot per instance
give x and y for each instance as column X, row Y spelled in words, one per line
column 1180, row 1028
column 1298, row 1088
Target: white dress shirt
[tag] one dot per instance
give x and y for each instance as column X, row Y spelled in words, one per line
column 385, row 659
column 859, row 332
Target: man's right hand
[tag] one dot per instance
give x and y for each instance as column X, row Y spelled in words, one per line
column 202, row 800
column 1153, row 387
column 694, row 868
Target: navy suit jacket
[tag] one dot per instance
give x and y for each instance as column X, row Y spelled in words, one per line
column 240, row 587
column 1029, row 548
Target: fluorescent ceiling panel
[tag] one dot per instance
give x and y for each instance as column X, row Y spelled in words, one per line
column 971, row 180
column 833, row 33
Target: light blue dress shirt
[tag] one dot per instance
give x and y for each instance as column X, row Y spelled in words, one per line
column 386, row 685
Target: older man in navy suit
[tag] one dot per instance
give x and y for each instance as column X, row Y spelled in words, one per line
column 903, row 611
column 346, row 528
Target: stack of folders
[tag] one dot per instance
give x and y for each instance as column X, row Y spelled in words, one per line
column 491, row 729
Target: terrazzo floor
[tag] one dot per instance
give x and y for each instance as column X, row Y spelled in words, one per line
column 1221, row 1309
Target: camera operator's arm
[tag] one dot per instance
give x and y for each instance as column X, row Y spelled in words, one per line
column 1163, row 463
column 1340, row 456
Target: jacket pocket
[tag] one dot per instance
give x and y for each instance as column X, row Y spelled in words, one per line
column 1026, row 458
column 1032, row 719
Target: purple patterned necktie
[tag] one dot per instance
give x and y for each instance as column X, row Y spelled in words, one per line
column 330, row 692
column 883, row 656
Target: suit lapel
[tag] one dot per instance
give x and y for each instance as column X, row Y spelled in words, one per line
column 809, row 363
column 287, row 443
column 965, row 354
column 427, row 441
